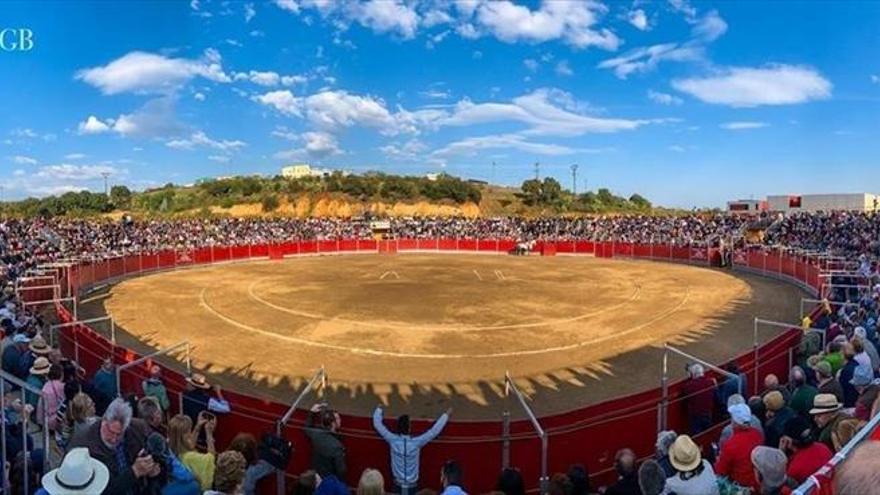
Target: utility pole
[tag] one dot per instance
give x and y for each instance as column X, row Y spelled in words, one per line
column 574, row 179
column 106, row 188
column 537, row 171
column 493, row 172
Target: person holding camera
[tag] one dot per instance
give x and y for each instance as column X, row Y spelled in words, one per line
column 182, row 442
column 328, row 453
column 119, row 442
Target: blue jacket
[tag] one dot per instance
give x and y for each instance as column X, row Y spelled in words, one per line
column 405, row 448
column 181, row 481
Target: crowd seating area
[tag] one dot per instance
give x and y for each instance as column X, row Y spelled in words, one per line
column 65, row 431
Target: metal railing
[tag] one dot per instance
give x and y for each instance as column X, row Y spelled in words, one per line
column 7, row 377
column 319, row 378
column 160, row 352
column 53, row 330
column 807, row 301
column 510, row 385
column 663, row 406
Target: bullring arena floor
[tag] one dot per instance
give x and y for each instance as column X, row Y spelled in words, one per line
column 423, row 332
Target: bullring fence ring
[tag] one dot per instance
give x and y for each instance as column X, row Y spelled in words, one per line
column 482, row 446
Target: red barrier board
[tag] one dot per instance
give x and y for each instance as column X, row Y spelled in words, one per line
column 447, row 244
column 132, row 264
column 681, row 253
column 487, row 245
column 348, row 245
column 221, row 253
column 584, row 247
column 259, row 250
column 467, row 244
column 328, row 246
column 506, row 246
column 241, row 252
column 407, row 245
column 428, row 244
column 306, row 247
column 366, row 245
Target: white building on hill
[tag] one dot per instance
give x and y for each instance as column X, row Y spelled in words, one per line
column 300, row 170
column 794, row 203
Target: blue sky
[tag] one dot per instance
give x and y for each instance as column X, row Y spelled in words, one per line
column 686, row 103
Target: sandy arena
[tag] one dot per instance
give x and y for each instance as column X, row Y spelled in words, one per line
column 426, row 331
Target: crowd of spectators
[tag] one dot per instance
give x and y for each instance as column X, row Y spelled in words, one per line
column 102, row 443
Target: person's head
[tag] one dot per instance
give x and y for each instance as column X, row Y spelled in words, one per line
column 229, row 472
column 797, row 376
column 580, row 479
column 55, row 372
column 860, row 473
column 115, row 421
column 330, row 419
column 510, row 482
column 665, row 439
column 800, row 431
column 685, row 455
column 848, row 350
column 107, row 365
column 149, row 410
column 451, row 474
column 769, row 465
column 371, row 483
column 824, row 370
column 652, row 478
column 625, row 462
column 180, row 438
column 246, row 444
column 825, row 408
column 740, row 416
column 559, row 485
column 771, row 381
column 735, row 399
column 81, row 408
column 843, row 432
column 403, row 427
column 857, row 344
column 696, row 370
column 773, row 402
column 306, row 483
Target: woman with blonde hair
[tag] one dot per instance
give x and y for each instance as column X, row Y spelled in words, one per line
column 182, row 441
column 80, row 414
column 371, row 483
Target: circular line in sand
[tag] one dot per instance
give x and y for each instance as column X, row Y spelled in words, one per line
column 373, row 352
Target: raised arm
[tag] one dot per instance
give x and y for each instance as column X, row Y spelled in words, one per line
column 435, row 430
column 380, row 426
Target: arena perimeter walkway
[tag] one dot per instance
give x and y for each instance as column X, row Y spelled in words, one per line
column 423, row 332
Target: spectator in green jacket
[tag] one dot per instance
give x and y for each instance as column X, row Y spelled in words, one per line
column 802, row 393
column 153, row 387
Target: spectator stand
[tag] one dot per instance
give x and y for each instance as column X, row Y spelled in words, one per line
column 25, row 388
column 835, row 305
column 510, row 386
column 53, row 301
column 663, row 405
column 825, row 474
column 828, row 288
column 318, row 383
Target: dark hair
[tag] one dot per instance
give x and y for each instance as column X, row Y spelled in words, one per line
column 306, row 483
column 246, row 444
column 510, row 482
column 328, row 417
column 452, row 473
column 580, row 479
column 560, row 485
column 55, row 372
column 403, row 427
column 652, row 479
column 800, row 431
column 625, row 462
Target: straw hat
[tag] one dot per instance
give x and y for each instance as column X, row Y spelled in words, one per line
column 684, row 454
column 198, row 380
column 79, row 474
column 39, row 346
column 825, row 403
column 41, row 366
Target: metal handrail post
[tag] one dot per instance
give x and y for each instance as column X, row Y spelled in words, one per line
column 25, row 387
column 140, row 360
column 664, row 387
column 281, row 481
column 542, row 434
column 3, row 483
column 755, row 350
column 505, row 426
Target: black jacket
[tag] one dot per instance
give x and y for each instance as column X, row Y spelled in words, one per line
column 328, row 453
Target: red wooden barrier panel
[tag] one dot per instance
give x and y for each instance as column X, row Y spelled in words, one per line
column 584, row 247
column 290, row 247
column 774, row 262
column 366, row 245
column 565, row 247
column 260, row 251
column 429, row 244
column 199, row 256
column 167, row 259
column 447, row 244
column 132, row 264
column 467, row 244
column 506, row 245
column 407, row 245
column 348, row 245
column 487, row 245
column 699, row 255
column 681, row 253
column 328, row 246
column 241, row 252
column 306, row 247
column 221, row 253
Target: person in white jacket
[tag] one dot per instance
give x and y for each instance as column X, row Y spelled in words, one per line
column 405, row 448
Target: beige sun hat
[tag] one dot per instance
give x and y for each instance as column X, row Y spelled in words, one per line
column 39, row 346
column 41, row 366
column 198, row 380
column 684, row 454
column 825, row 403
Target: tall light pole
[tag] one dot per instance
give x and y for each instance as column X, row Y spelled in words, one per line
column 106, row 187
column 574, row 179
column 537, row 171
column 493, row 172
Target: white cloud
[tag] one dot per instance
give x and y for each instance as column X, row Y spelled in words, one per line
column 332, row 110
column 199, row 138
column 288, row 5
column 563, row 69
column 249, row 12
column 267, row 78
column 294, row 79
column 572, row 22
column 66, row 171
column 646, row 58
column 743, row 125
column 142, row 72
column 199, row 96
column 664, row 98
column 24, row 160
column 219, row 158
column 710, row 27
column 93, row 125
column 154, row 119
column 471, row 146
column 282, row 100
column 435, row 94
column 387, row 16
column 638, row 19
column 677, row 148
column 320, row 144
column 477, row 55
column 531, row 64
column 875, row 79
column 74, row 156
column 750, row 87
column 410, row 150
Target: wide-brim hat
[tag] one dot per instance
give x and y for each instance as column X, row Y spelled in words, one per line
column 825, row 403
column 684, row 455
column 78, row 474
column 198, row 380
column 39, row 346
column 41, row 366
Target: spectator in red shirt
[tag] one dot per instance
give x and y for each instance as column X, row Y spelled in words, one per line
column 698, row 393
column 734, row 460
column 805, row 455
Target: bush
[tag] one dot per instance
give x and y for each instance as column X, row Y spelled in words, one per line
column 270, row 203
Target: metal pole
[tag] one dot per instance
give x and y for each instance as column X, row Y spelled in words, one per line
column 755, row 347
column 160, row 352
column 3, row 430
column 545, row 480
column 24, row 443
column 281, row 483
column 505, row 426
column 664, row 387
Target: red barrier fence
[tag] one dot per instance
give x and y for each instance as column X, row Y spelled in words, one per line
column 590, row 435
